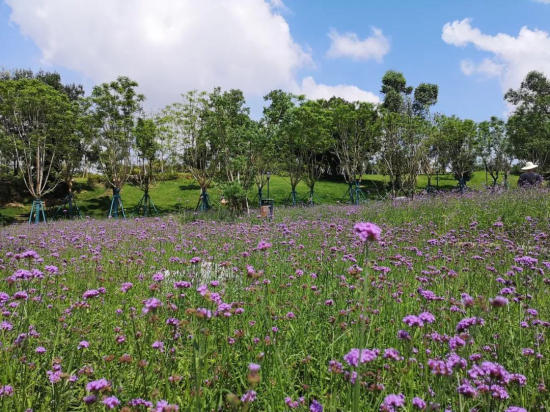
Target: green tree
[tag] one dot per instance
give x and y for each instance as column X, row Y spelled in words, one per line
column 74, row 92
column 356, row 130
column 529, row 126
column 147, row 148
column 395, row 91
column 263, row 156
column 227, row 125
column 425, row 97
column 230, row 132
column 310, row 125
column 406, row 131
column 495, row 149
column 457, row 147
column 36, row 118
column 115, row 110
column 278, row 122
column 186, row 123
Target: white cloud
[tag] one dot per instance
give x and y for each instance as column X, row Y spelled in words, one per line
column 315, row 91
column 349, row 45
column 543, row 1
column 168, row 46
column 279, row 5
column 467, row 67
column 488, row 68
column 513, row 57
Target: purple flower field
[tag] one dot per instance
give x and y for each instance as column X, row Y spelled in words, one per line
column 324, row 309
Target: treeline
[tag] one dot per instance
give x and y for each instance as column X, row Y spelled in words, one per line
column 51, row 132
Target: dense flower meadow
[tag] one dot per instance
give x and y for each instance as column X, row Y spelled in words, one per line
column 326, row 312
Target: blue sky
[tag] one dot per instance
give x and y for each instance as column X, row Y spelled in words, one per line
column 170, row 47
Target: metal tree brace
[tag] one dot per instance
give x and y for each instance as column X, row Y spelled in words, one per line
column 116, row 204
column 204, row 202
column 37, row 212
column 355, row 193
column 146, row 203
column 72, row 207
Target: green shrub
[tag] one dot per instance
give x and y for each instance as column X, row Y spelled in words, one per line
column 235, row 196
column 94, row 180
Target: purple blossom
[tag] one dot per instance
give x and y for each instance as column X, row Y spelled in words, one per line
column 83, row 344
column 356, row 356
column 466, row 323
column 427, row 317
column 164, row 406
column 315, row 406
column 249, row 397
column 392, row 401
column 111, row 402
column 151, row 304
column 413, row 320
column 367, row 231
column 419, row 403
column 254, row 367
column 96, row 386
column 92, row 293
column 6, row 390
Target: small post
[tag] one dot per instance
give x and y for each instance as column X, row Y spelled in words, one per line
column 268, row 178
column 266, row 209
column 260, row 195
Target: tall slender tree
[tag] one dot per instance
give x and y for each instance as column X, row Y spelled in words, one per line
column 147, row 148
column 310, row 124
column 35, row 117
column 278, row 119
column 356, row 129
column 186, row 122
column 495, row 149
column 529, row 125
column 116, row 107
column 458, row 147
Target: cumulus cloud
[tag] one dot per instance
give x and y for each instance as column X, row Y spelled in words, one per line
column 315, row 91
column 513, row 57
column 279, row 5
column 468, row 67
column 488, row 67
column 168, row 46
column 349, row 45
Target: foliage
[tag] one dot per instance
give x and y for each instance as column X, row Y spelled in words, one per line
column 494, row 147
column 147, row 148
column 115, row 108
column 529, row 125
column 212, row 137
column 457, row 146
column 356, row 130
column 278, row 120
column 185, row 122
column 235, row 196
column 37, row 119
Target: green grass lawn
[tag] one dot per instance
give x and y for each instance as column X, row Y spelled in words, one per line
column 183, row 194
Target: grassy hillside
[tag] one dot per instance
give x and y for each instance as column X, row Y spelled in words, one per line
column 183, row 194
